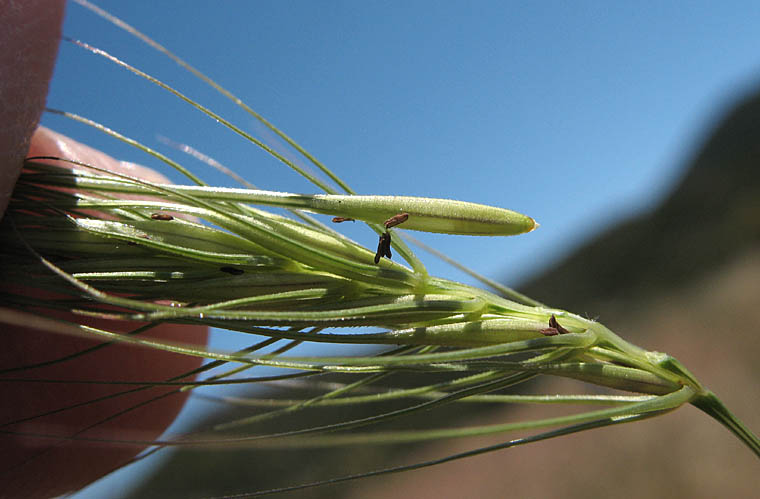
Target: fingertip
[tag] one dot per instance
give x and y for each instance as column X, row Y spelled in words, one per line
column 31, row 31
column 46, row 142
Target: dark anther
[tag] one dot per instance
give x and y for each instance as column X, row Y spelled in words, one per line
column 383, row 247
column 554, row 328
column 337, row 220
column 232, row 270
column 554, row 324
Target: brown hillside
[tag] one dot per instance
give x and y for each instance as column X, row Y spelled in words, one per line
column 712, row 216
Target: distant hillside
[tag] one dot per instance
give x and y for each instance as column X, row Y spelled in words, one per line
column 713, row 215
column 683, row 278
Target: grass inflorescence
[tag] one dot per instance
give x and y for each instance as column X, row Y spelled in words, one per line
column 107, row 245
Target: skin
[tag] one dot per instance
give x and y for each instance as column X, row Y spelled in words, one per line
column 36, row 467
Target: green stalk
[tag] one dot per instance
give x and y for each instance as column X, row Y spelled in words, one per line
column 714, row 407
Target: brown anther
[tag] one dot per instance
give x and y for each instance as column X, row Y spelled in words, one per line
column 161, row 216
column 549, row 331
column 396, row 220
column 337, row 220
column 553, row 324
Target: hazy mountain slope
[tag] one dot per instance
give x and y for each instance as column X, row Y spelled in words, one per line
column 712, row 215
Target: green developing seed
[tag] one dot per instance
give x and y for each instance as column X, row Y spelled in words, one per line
column 474, row 333
column 425, row 214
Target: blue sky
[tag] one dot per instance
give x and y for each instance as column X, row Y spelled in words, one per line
column 576, row 113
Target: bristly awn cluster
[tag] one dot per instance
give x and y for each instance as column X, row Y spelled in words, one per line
column 234, row 265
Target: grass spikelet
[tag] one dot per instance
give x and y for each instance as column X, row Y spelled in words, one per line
column 107, row 245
